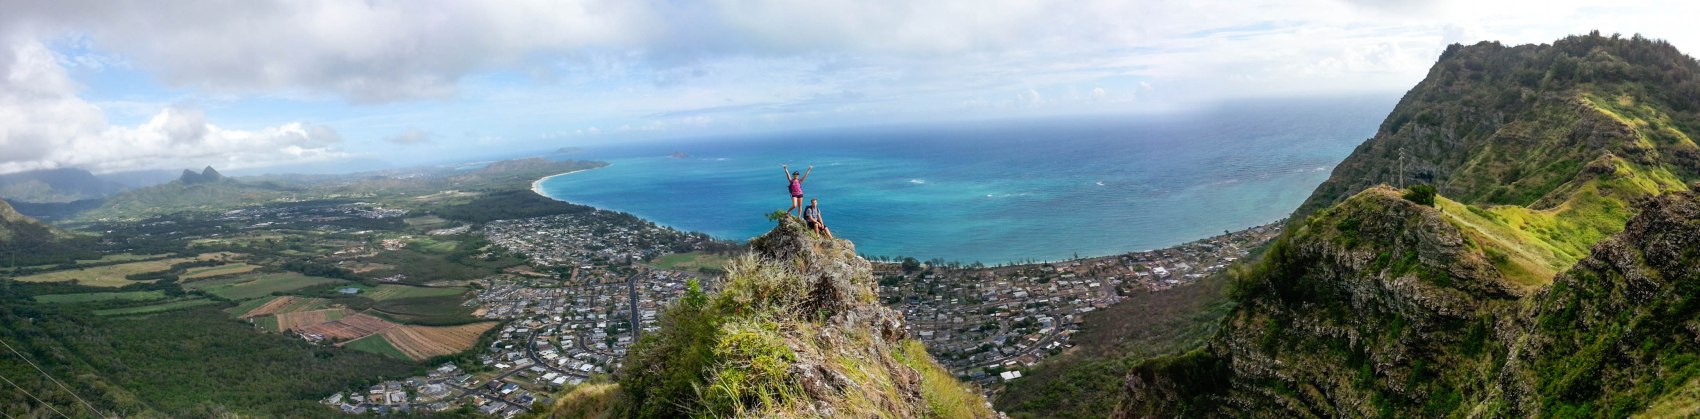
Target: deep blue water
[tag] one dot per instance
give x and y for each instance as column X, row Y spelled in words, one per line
column 997, row 191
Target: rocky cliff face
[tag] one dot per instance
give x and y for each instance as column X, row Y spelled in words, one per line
column 1381, row 307
column 796, row 331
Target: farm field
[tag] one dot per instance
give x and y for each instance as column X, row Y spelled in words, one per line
column 211, row 271
column 424, row 342
column 302, row 319
column 100, row 296
column 156, row 308
column 387, row 292
column 351, row 327
column 113, row 275
column 257, row 285
column 375, row 344
column 440, row 310
column 689, row 261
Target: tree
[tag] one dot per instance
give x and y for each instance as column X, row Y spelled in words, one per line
column 910, row 265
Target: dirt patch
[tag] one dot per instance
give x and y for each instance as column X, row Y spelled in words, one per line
column 273, row 306
column 351, row 327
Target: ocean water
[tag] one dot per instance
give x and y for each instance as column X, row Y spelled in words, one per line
column 997, row 192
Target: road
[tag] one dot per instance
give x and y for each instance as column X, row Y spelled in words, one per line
column 632, row 297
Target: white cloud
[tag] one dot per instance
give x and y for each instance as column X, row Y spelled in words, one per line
column 1031, row 98
column 643, row 67
column 410, row 137
column 44, row 124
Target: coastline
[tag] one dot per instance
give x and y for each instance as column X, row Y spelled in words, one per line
column 537, row 185
column 537, row 188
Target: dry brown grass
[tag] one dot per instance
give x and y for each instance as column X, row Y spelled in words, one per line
column 301, row 319
column 424, row 342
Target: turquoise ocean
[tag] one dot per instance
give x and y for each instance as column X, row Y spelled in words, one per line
column 996, row 192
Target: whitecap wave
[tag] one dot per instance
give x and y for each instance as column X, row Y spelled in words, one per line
column 918, row 181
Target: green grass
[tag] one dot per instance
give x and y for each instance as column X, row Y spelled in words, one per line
column 267, row 322
column 1531, row 245
column 377, row 345
column 156, row 308
column 100, row 296
column 257, row 285
column 385, row 292
column 1683, row 402
column 212, row 271
column 689, row 261
column 438, row 310
column 946, row 397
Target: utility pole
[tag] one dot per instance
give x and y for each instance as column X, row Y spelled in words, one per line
column 1401, row 168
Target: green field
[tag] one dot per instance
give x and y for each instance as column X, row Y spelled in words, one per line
column 257, row 285
column 113, row 275
column 386, row 292
column 100, row 296
column 690, row 261
column 156, row 308
column 212, row 271
column 374, row 344
column 439, row 310
column 266, row 322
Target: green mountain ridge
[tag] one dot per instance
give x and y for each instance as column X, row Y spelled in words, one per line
column 1554, row 276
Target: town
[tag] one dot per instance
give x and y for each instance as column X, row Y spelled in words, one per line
column 986, row 324
column 584, row 299
column 561, row 327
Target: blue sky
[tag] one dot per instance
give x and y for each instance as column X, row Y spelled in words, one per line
column 118, row 86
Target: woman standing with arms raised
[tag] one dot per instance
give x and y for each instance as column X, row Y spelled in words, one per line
column 796, row 179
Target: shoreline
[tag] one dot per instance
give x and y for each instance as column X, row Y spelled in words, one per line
column 537, row 185
column 537, row 188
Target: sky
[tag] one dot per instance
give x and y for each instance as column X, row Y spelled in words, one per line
column 115, row 86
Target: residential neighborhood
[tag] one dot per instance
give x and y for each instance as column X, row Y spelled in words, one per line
column 987, row 323
column 587, row 300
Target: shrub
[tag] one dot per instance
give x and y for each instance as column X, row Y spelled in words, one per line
column 1421, row 194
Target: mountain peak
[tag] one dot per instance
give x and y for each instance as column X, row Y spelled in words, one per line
column 207, row 175
column 796, row 331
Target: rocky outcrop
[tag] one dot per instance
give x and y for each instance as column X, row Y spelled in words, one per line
column 795, row 331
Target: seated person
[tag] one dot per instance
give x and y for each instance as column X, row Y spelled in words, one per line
column 811, row 215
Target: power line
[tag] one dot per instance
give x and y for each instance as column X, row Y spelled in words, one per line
column 32, row 396
column 55, row 380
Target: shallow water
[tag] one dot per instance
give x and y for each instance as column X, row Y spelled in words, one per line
column 997, row 192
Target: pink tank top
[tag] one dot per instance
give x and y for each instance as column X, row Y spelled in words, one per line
column 796, row 186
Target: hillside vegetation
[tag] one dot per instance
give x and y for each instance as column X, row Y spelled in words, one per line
column 797, row 331
column 1552, row 276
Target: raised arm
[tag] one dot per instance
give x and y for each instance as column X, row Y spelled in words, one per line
column 806, row 173
column 787, row 169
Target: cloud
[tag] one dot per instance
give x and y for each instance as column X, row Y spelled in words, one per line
column 410, row 137
column 1031, row 98
column 44, row 124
